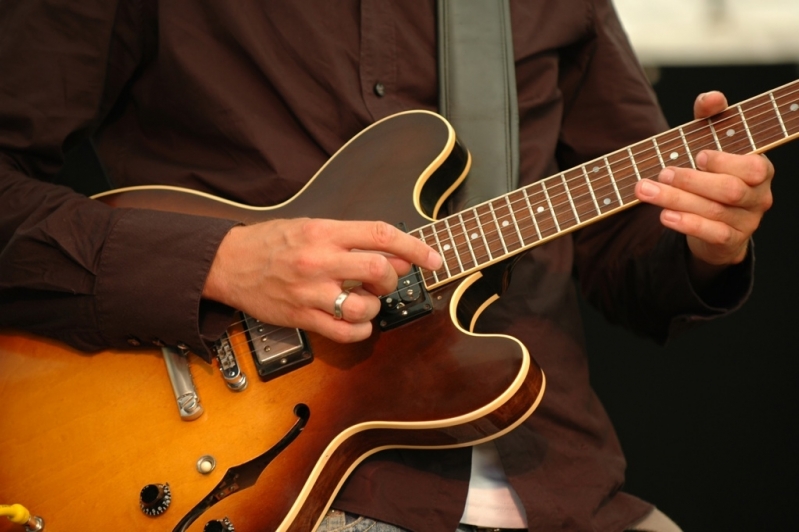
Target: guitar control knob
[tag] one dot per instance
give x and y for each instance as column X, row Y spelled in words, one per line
column 154, row 499
column 223, row 525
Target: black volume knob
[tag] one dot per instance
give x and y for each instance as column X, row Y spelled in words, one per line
column 219, row 526
column 154, row 499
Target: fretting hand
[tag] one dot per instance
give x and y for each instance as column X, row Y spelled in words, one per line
column 719, row 205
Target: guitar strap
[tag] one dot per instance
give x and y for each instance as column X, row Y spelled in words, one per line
column 477, row 94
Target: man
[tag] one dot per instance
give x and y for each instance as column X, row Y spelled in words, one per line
column 247, row 101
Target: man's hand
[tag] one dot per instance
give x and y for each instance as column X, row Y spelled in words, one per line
column 719, row 205
column 290, row 272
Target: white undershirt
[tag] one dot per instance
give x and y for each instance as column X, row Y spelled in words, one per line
column 492, row 501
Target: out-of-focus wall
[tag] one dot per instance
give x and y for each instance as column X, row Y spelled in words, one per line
column 690, row 32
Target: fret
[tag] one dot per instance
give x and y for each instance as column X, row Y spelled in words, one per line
column 593, row 196
column 532, row 214
column 635, row 165
column 777, row 112
column 454, row 245
column 423, row 239
column 620, row 169
column 571, row 200
column 476, row 236
column 515, row 223
column 715, row 135
column 687, row 149
column 485, row 217
column 697, row 135
column 746, row 128
column 499, row 229
column 561, row 207
column 549, row 202
column 525, row 221
column 671, row 148
column 604, row 189
column 467, row 240
column 507, row 228
column 731, row 133
column 646, row 159
column 788, row 103
column 540, row 207
column 764, row 122
column 580, row 194
column 441, row 251
column 660, row 155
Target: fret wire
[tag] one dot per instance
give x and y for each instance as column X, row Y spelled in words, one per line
column 438, row 243
column 499, row 229
column 515, row 221
column 635, row 167
column 687, row 149
column 435, row 275
column 571, row 200
column 660, row 155
column 591, row 189
column 779, row 115
column 549, row 202
column 468, row 239
column 746, row 127
column 715, row 136
column 613, row 181
column 482, row 233
column 532, row 214
column 454, row 244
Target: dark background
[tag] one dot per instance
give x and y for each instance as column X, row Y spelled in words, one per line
column 710, row 422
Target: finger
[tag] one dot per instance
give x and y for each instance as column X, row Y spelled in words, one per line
column 340, row 331
column 709, row 103
column 719, row 242
column 380, row 236
column 679, row 201
column 358, row 307
column 723, row 189
column 753, row 169
column 372, row 270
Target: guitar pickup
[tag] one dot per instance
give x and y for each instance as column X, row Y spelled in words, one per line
column 276, row 350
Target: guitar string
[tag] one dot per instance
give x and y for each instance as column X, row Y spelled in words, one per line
column 751, row 121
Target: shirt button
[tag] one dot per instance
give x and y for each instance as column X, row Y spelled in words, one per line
column 380, row 89
column 133, row 341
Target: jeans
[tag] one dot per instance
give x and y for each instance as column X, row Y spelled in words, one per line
column 338, row 521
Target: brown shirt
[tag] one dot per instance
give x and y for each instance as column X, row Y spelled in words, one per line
column 246, row 100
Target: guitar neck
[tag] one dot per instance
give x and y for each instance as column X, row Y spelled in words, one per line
column 497, row 229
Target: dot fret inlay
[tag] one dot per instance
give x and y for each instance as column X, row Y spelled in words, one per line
column 730, row 132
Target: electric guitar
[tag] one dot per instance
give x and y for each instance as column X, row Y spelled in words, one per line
column 263, row 438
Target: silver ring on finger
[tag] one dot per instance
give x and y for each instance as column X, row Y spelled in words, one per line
column 338, row 313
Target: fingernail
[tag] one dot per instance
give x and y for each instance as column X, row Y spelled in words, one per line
column 701, row 160
column 701, row 96
column 671, row 216
column 435, row 260
column 649, row 189
column 666, row 176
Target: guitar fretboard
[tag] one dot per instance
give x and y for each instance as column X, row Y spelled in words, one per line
column 492, row 231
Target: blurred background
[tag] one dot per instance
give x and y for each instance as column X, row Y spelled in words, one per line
column 710, row 422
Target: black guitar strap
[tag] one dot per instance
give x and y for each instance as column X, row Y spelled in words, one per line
column 477, row 93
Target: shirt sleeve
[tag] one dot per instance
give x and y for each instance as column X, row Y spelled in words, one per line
column 632, row 268
column 71, row 267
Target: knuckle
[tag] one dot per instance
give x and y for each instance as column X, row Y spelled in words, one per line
column 736, row 193
column 383, row 233
column 315, row 229
column 716, row 211
column 376, row 266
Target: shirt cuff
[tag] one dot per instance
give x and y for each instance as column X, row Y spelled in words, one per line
column 150, row 280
